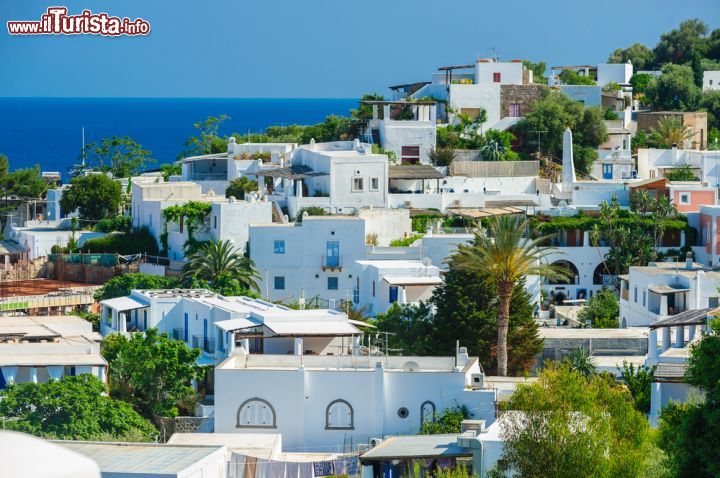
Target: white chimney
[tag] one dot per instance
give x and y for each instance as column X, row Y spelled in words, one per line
column 568, row 164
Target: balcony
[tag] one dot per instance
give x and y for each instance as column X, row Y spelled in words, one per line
column 331, row 263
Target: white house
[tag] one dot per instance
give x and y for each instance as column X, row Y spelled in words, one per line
column 228, row 220
column 676, row 334
column 711, row 80
column 663, row 289
column 40, row 237
column 37, row 349
column 411, row 139
column 330, row 402
column 619, row 73
column 653, row 163
column 340, row 177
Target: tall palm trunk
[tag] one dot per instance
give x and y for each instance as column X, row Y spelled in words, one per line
column 504, row 295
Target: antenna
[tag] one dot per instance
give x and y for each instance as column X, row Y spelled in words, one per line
column 426, row 262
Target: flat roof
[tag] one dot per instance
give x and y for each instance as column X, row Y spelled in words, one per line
column 122, row 304
column 566, row 333
column 689, row 317
column 667, row 289
column 12, row 247
column 417, row 447
column 295, row 171
column 141, row 458
column 259, row 445
column 310, row 326
column 481, row 212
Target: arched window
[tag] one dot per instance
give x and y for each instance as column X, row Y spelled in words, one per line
column 427, row 412
column 256, row 413
column 339, row 416
column 565, row 280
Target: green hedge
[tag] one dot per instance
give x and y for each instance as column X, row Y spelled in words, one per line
column 135, row 242
column 548, row 225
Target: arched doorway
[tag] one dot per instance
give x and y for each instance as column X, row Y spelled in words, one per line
column 565, row 280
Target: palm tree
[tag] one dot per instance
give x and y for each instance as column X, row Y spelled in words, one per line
column 502, row 257
column 216, row 259
column 670, row 130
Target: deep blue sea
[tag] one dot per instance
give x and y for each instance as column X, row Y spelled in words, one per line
column 47, row 131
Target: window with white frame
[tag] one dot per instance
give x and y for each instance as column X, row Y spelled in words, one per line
column 374, row 184
column 685, row 198
column 256, row 413
column 357, row 185
column 427, row 412
column 339, row 416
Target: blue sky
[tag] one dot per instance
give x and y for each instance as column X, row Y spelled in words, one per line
column 316, row 48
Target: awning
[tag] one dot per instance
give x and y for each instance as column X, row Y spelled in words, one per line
column 296, row 171
column 413, row 280
column 479, row 213
column 667, row 289
column 414, row 171
column 236, row 324
column 415, row 447
column 316, row 327
column 122, row 304
column 670, row 372
column 689, row 317
column 12, row 247
column 360, row 323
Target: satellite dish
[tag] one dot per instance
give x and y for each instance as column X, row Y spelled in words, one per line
column 426, row 261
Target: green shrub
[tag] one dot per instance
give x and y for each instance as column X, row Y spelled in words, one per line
column 405, row 241
column 115, row 223
column 135, row 242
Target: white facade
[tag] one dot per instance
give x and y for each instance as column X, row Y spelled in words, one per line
column 652, row 163
column 44, row 348
column 339, row 176
column 504, row 73
column 228, row 220
column 711, row 80
column 619, row 73
column 385, row 282
column 40, row 237
column 403, row 136
column 329, row 402
column 663, row 289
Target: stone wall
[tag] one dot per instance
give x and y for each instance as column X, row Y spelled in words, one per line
column 524, row 95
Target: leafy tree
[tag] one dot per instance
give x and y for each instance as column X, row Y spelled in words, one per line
column 409, row 328
column 573, row 426
column 710, row 102
column 152, row 372
column 602, row 310
column 311, row 211
column 463, row 133
column 114, row 224
column 678, row 45
column 538, row 70
column 675, row 89
column 681, row 173
column 572, row 77
column 639, row 381
column 72, row 408
column 497, row 146
column 441, row 156
column 240, row 186
column 507, row 257
column 690, row 432
column 640, row 82
column 639, row 55
column 670, row 131
column 120, row 286
column 172, row 169
column 447, row 421
column 206, row 141
column 96, row 196
column 364, row 112
column 121, row 156
column 91, row 317
column 216, row 259
column 610, row 115
column 25, row 183
column 554, row 113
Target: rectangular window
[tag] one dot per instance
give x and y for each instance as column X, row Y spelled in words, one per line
column 357, row 184
column 332, row 258
column 514, row 110
column 410, row 155
column 214, row 222
column 332, row 283
column 393, row 294
column 643, row 298
column 279, row 247
column 635, row 295
column 375, row 135
column 685, row 198
column 712, row 302
column 374, row 184
column 496, row 77
column 279, row 282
